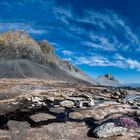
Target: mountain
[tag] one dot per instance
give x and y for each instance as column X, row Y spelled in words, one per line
column 108, row 80
column 21, row 56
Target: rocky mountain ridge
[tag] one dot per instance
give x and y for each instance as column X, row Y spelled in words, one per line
column 21, row 56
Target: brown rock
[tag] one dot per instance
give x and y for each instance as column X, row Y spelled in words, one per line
column 42, row 117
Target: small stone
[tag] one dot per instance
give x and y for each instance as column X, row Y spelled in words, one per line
column 91, row 103
column 41, row 103
column 121, row 101
column 107, row 90
column 67, row 103
column 14, row 103
column 115, row 97
column 36, row 99
column 28, row 98
column 51, row 98
column 33, row 105
column 130, row 101
column 79, row 104
column 118, row 93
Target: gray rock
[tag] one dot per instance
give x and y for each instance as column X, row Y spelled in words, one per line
column 115, row 97
column 122, row 91
column 118, row 93
column 67, row 103
column 18, row 130
column 89, row 103
column 107, row 90
column 108, row 130
column 134, row 102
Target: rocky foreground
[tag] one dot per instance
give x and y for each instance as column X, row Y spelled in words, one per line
column 67, row 104
column 32, row 109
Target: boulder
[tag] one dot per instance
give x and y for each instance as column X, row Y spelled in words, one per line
column 135, row 102
column 109, row 130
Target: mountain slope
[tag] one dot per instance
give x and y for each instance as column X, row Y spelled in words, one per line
column 21, row 56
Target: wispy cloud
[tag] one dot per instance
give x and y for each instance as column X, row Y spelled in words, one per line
column 67, row 52
column 107, row 29
column 133, row 64
column 20, row 26
column 117, row 61
column 103, row 42
column 102, row 32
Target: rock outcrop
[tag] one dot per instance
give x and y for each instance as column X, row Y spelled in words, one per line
column 19, row 45
column 21, row 56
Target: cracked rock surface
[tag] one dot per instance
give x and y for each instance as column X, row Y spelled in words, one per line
column 32, row 109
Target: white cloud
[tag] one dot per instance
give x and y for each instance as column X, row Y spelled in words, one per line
column 93, row 60
column 117, row 56
column 104, row 44
column 116, row 61
column 54, row 44
column 63, row 13
column 5, row 26
column 67, row 52
column 133, row 64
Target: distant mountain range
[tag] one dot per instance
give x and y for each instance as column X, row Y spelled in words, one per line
column 134, row 85
column 22, row 57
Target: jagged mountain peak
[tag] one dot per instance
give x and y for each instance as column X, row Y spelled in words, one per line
column 108, row 76
column 108, row 79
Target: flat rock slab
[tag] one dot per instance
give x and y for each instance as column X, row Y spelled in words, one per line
column 102, row 110
column 60, row 131
column 42, row 117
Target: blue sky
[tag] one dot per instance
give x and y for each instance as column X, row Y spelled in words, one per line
column 99, row 36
